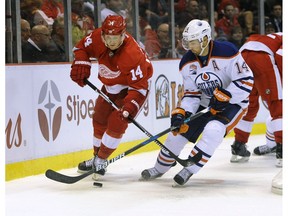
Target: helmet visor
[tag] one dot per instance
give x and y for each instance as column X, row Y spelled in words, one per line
column 185, row 43
column 190, row 45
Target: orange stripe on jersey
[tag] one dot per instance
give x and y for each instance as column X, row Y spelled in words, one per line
column 234, row 123
column 192, row 93
column 247, row 83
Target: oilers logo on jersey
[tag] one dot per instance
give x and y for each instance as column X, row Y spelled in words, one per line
column 207, row 82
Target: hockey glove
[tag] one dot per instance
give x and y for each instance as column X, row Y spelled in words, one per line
column 220, row 100
column 80, row 71
column 132, row 103
column 177, row 120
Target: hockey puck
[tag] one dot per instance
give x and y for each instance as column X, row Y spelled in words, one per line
column 97, row 184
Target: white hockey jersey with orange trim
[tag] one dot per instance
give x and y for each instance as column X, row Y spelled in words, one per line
column 224, row 67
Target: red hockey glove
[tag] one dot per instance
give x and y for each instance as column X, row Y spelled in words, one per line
column 132, row 103
column 177, row 120
column 220, row 100
column 80, row 71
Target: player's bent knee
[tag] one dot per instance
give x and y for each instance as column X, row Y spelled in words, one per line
column 117, row 124
column 215, row 131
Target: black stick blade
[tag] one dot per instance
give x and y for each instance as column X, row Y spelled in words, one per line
column 53, row 175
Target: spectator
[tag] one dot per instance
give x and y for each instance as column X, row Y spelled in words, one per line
column 157, row 45
column 81, row 24
column 31, row 11
column 247, row 12
column 179, row 51
column 39, row 47
column 269, row 28
column 276, row 17
column 179, row 6
column 157, row 13
column 28, row 9
column 237, row 37
column 25, row 31
column 223, row 3
column 35, row 50
column 113, row 7
column 89, row 8
column 58, row 36
column 191, row 12
column 227, row 22
column 53, row 8
column 203, row 11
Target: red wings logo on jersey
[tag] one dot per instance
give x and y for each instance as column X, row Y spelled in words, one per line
column 105, row 72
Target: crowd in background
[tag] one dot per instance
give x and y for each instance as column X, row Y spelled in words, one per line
column 42, row 23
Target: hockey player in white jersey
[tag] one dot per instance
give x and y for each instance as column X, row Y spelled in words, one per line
column 215, row 75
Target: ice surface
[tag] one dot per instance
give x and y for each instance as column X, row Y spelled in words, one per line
column 220, row 188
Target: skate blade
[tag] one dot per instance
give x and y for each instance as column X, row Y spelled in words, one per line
column 145, row 179
column 279, row 163
column 239, row 159
column 82, row 171
column 175, row 185
column 96, row 176
column 149, row 179
column 276, row 190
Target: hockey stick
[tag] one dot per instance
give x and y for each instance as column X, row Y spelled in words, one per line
column 184, row 163
column 56, row 176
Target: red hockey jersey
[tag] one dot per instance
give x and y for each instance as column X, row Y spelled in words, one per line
column 268, row 43
column 126, row 67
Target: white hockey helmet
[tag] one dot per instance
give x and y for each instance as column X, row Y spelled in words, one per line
column 196, row 30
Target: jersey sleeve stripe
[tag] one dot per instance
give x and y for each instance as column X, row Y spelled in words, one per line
column 192, row 96
column 247, row 83
column 244, row 84
column 242, row 87
column 198, row 93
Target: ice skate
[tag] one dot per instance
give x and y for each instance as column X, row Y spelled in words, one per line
column 182, row 177
column 150, row 174
column 277, row 183
column 85, row 166
column 264, row 149
column 100, row 165
column 240, row 153
column 279, row 152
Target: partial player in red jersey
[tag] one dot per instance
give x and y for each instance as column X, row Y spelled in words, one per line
column 263, row 54
column 125, row 71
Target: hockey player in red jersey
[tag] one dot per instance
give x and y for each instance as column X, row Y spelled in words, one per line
column 125, row 71
column 215, row 75
column 263, row 54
